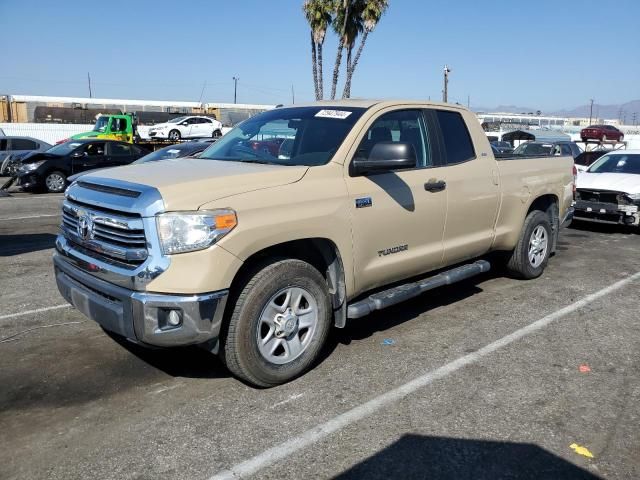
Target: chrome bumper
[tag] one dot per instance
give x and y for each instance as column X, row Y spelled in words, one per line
column 141, row 316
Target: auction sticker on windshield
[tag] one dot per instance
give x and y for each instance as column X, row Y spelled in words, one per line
column 341, row 114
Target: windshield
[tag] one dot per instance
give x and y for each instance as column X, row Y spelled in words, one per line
column 533, row 149
column 101, row 124
column 287, row 136
column 617, row 163
column 64, row 148
column 177, row 120
column 174, row 151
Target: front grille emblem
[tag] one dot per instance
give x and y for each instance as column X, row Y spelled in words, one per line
column 85, row 227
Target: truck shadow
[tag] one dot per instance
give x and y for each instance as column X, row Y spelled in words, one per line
column 418, row 456
column 605, row 228
column 25, row 243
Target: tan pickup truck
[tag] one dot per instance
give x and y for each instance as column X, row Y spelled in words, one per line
column 297, row 220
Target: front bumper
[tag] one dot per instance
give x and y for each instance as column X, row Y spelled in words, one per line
column 606, row 213
column 141, row 316
column 29, row 181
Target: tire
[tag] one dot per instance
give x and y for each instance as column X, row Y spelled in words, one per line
column 55, row 182
column 174, row 135
column 524, row 262
column 604, row 138
column 216, row 134
column 262, row 311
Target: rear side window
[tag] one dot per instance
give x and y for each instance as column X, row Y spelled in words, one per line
column 3, row 145
column 457, row 141
column 23, row 144
column 119, row 149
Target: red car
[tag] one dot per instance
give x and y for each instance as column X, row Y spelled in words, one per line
column 601, row 132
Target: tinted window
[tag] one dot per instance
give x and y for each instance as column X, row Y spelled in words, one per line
column 575, row 149
column 457, row 141
column 3, row 145
column 405, row 126
column 317, row 133
column 120, row 149
column 94, row 149
column 119, row 125
column 565, row 149
column 23, row 144
column 206, row 120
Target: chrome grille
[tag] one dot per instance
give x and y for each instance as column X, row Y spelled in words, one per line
column 114, row 236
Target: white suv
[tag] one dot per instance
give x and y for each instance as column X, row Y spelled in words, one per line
column 187, row 127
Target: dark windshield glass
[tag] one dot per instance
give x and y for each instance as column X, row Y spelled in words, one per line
column 101, row 124
column 287, row 136
column 64, row 148
column 617, row 163
column 533, row 149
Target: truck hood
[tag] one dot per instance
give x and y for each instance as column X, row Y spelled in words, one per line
column 617, row 182
column 83, row 135
column 190, row 183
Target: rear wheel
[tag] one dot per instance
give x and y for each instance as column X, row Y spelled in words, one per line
column 216, row 134
column 279, row 324
column 55, row 182
column 531, row 255
column 174, row 135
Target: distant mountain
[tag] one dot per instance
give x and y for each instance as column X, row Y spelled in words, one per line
column 599, row 111
column 604, row 111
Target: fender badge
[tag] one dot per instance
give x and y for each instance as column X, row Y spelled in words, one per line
column 364, row 202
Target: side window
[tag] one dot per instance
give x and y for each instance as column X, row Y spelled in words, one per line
column 119, row 149
column 23, row 144
column 3, row 145
column 405, row 126
column 94, row 149
column 566, row 150
column 192, row 121
column 119, row 125
column 457, row 141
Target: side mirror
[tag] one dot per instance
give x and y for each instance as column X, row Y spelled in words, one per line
column 184, row 124
column 77, row 154
column 384, row 157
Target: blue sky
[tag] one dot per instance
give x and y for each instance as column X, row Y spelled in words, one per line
column 540, row 54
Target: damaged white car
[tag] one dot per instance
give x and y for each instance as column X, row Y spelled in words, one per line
column 609, row 190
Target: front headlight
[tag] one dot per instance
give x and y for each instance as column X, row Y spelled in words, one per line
column 182, row 232
column 30, row 167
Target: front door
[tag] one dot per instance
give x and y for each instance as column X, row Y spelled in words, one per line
column 397, row 223
column 119, row 154
column 93, row 155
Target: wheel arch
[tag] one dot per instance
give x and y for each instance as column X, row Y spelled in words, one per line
column 549, row 204
column 320, row 252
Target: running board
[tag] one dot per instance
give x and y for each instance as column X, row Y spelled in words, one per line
column 395, row 295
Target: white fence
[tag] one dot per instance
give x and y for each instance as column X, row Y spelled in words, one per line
column 47, row 132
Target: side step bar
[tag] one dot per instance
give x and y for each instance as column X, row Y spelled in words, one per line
column 395, row 295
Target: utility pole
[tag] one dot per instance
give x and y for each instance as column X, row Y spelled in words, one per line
column 591, row 111
column 445, row 92
column 89, row 79
column 635, row 121
column 235, row 89
column 204, row 85
column 293, row 95
column 468, row 102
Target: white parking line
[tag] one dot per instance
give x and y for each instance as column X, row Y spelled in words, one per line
column 37, row 310
column 317, row 433
column 30, row 216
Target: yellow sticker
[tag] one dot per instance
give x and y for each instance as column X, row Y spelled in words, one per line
column 580, row 450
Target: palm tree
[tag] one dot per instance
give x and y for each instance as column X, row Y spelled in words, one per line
column 318, row 14
column 347, row 25
column 372, row 11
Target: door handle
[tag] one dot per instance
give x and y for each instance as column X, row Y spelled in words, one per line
column 437, row 186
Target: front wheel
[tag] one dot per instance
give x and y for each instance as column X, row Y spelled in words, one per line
column 174, row 135
column 216, row 134
column 55, row 182
column 278, row 325
column 531, row 255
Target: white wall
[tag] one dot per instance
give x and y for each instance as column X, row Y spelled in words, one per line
column 47, row 132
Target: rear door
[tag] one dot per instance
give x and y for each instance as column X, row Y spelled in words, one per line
column 472, row 188
column 119, row 154
column 397, row 223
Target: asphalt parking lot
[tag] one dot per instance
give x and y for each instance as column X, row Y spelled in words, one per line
column 440, row 387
